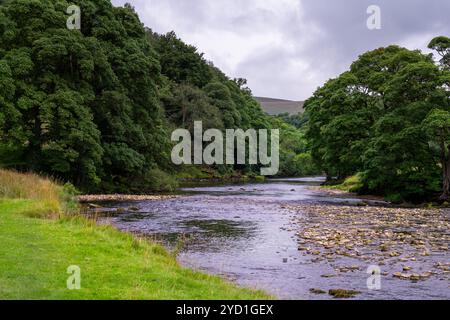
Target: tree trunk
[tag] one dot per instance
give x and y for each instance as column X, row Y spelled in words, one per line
column 446, row 177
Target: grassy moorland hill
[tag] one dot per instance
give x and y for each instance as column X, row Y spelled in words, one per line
column 40, row 240
column 278, row 106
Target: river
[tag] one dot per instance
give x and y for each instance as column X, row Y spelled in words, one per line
column 244, row 233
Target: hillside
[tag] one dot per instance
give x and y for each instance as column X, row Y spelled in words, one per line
column 279, row 106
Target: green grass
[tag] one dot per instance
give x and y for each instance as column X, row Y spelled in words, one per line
column 39, row 243
column 351, row 184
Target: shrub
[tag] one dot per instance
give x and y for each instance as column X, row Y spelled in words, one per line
column 158, row 180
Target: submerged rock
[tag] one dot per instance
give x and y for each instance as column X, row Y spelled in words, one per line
column 328, row 275
column 317, row 291
column 343, row 294
column 407, row 268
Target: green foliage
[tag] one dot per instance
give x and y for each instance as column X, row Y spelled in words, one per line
column 220, row 96
column 388, row 118
column 295, row 158
column 299, row 120
column 81, row 106
column 351, row 184
column 187, row 104
column 95, row 106
column 442, row 46
column 68, row 198
column 160, row 181
column 180, row 62
column 190, row 93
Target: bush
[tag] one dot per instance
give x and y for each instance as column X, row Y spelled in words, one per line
column 298, row 165
column 353, row 183
column 68, row 197
column 394, row 198
column 160, row 181
column 260, row 178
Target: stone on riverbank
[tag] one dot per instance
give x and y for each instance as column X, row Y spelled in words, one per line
column 396, row 237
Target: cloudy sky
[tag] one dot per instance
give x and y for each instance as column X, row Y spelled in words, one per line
column 287, row 48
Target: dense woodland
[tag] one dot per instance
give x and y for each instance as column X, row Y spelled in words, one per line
column 96, row 106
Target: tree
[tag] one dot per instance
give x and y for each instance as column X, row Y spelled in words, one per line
column 220, row 97
column 437, row 126
column 95, row 106
column 442, row 46
column 188, row 104
column 371, row 119
column 180, row 62
column 83, row 105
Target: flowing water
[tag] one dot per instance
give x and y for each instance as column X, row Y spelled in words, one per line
column 244, row 233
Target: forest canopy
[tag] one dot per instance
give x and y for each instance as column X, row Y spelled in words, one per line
column 96, row 106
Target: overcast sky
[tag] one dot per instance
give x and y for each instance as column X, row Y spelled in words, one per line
column 287, row 48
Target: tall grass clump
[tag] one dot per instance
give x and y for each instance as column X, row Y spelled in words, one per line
column 350, row 184
column 50, row 198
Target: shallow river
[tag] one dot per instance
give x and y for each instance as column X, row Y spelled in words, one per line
column 243, row 233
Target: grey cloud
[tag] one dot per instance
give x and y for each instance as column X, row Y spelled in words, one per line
column 297, row 51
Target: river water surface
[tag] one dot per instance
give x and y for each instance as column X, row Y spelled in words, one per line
column 244, row 233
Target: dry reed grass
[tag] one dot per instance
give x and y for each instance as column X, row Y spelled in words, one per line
column 29, row 186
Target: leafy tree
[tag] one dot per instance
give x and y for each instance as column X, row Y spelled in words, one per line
column 83, row 104
column 95, row 106
column 378, row 119
column 180, row 62
column 221, row 98
column 442, row 46
column 298, row 120
column 437, row 125
column 188, row 104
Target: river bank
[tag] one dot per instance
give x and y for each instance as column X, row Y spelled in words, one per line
column 353, row 185
column 42, row 241
column 333, row 192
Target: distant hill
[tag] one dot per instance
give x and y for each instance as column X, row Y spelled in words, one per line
column 278, row 106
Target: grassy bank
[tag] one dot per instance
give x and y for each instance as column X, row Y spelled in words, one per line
column 354, row 184
column 350, row 184
column 40, row 241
